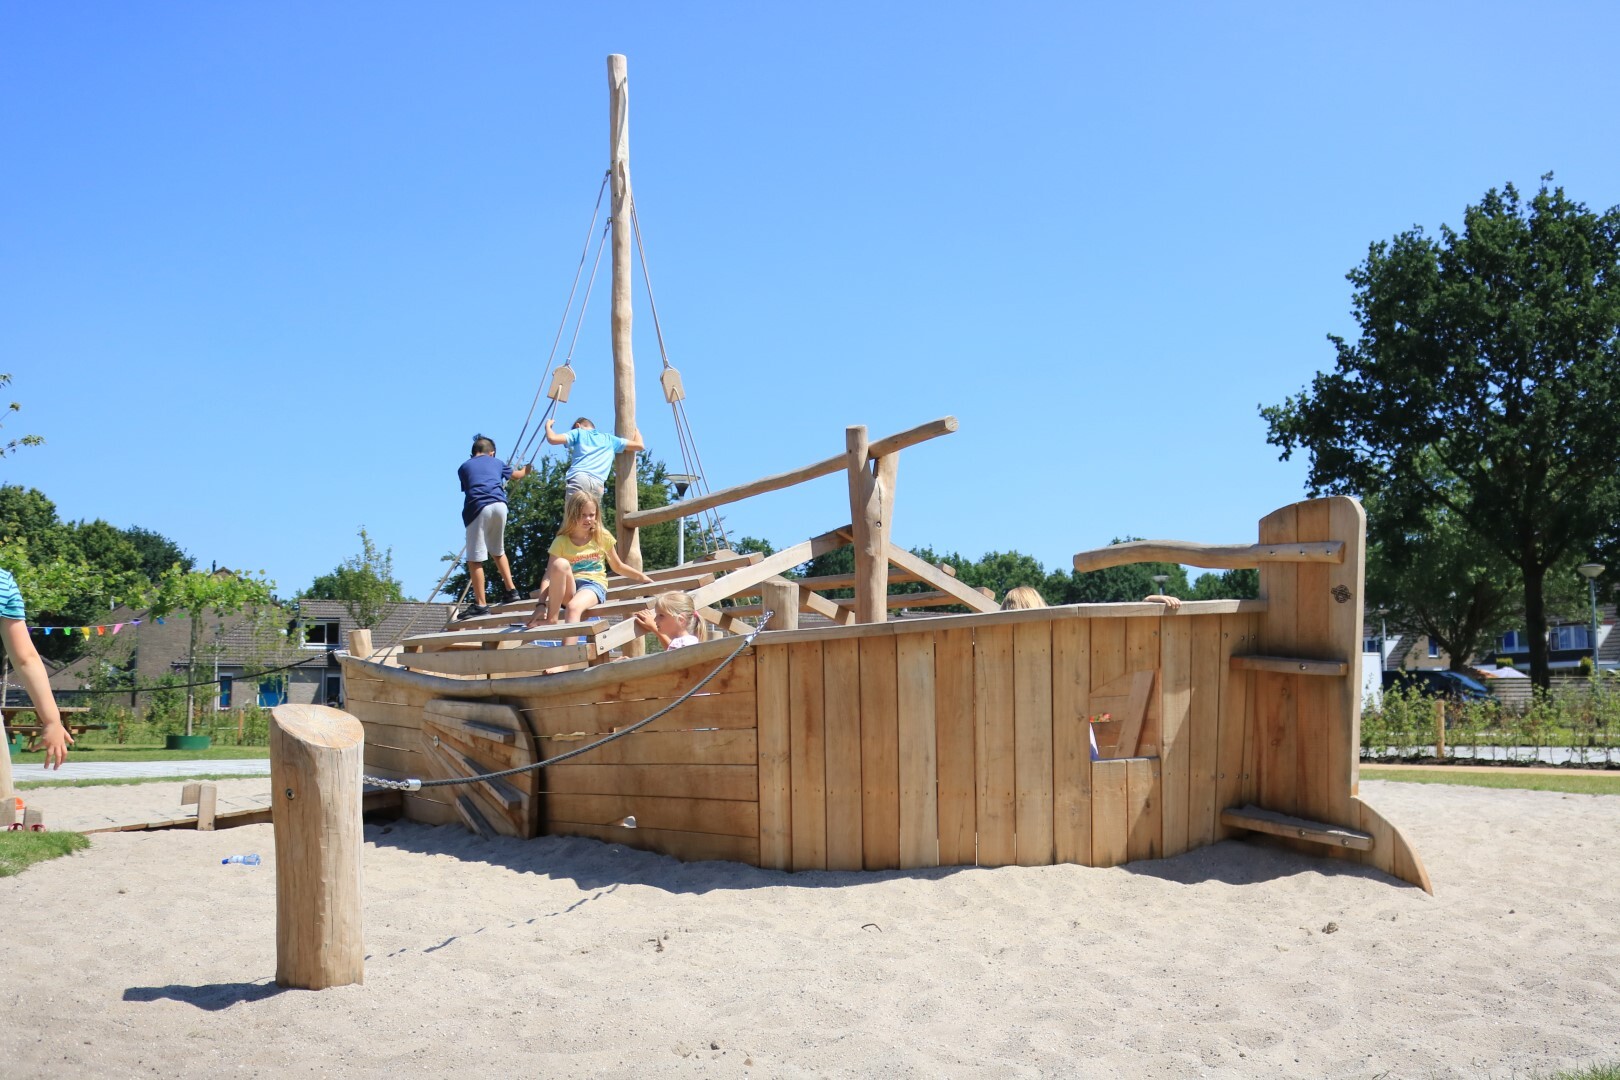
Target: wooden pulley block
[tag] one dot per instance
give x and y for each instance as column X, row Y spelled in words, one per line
column 561, row 380
column 673, row 390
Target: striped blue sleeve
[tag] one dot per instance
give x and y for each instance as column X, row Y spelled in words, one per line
column 11, row 601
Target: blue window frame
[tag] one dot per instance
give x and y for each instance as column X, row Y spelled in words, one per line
column 1512, row 641
column 272, row 692
column 1434, row 649
column 225, row 691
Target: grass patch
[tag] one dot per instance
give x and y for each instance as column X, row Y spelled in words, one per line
column 20, row 850
column 1578, row 783
column 1588, row 1072
column 125, row 781
column 77, row 752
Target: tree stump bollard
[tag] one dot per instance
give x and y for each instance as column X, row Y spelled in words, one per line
column 316, row 792
column 780, row 596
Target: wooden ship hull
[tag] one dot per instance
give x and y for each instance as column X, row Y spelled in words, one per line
column 874, row 745
column 958, row 740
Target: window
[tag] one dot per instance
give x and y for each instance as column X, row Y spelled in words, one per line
column 321, row 634
column 1512, row 641
column 272, row 692
column 334, row 689
column 1569, row 637
column 225, row 692
column 1369, row 644
column 1434, row 649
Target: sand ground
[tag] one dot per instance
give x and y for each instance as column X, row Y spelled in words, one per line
column 564, row 957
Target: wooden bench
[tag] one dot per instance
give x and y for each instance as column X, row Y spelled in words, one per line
column 33, row 732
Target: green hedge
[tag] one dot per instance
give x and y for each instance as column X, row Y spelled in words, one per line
column 1584, row 721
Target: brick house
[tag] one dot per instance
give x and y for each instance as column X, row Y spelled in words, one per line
column 239, row 651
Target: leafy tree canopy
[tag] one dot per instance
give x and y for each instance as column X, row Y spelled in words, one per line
column 364, row 582
column 1484, row 382
column 73, row 573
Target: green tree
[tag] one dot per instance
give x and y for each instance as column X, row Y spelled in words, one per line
column 199, row 592
column 1496, row 351
column 10, row 447
column 1226, row 585
column 364, row 582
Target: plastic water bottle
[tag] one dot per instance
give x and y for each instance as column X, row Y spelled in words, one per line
column 240, row 860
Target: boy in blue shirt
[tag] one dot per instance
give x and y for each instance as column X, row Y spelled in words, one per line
column 483, row 512
column 590, row 455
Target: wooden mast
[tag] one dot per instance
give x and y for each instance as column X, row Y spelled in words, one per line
column 624, row 364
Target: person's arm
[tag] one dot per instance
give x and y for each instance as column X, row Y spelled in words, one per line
column 551, row 435
column 1168, row 601
column 634, row 442
column 647, row 620
column 31, row 673
column 622, row 570
column 520, row 472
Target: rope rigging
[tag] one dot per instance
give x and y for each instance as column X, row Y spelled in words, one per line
column 556, row 379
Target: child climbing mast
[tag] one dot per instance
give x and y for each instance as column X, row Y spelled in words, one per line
column 590, row 455
column 576, row 576
column 483, row 512
column 673, row 618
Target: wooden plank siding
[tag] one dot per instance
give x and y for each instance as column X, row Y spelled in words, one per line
column 955, row 741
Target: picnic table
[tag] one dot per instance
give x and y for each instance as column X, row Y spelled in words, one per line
column 33, row 731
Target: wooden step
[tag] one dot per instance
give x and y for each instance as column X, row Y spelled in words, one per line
column 1289, row 665
column 1256, row 819
column 480, row 635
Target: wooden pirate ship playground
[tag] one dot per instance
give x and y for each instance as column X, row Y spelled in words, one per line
column 870, row 744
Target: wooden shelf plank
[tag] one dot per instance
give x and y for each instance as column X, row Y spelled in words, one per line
column 1256, row 819
column 1289, row 665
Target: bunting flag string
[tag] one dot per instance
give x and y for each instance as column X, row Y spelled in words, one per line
column 100, row 631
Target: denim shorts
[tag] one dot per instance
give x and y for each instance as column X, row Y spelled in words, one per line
column 595, row 587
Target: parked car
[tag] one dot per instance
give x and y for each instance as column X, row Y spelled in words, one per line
column 1438, row 683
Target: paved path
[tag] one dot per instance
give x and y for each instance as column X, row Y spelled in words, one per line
column 106, row 770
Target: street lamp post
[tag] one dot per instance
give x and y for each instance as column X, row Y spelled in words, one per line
column 1383, row 635
column 1159, row 580
column 680, row 482
column 1590, row 572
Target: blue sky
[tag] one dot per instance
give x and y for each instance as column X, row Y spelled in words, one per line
column 267, row 268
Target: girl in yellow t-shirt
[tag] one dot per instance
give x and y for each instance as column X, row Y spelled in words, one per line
column 576, row 576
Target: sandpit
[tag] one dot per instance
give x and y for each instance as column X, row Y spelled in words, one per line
column 565, row 957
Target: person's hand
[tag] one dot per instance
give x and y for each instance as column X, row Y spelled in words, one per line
column 57, row 739
column 647, row 619
column 1170, row 602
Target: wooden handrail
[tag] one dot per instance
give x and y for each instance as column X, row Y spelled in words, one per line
column 642, row 519
column 1211, row 556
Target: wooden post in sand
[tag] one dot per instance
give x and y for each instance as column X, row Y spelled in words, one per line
column 871, row 499
column 360, row 644
column 315, row 788
column 6, row 789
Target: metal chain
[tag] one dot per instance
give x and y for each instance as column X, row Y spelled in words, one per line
column 417, row 785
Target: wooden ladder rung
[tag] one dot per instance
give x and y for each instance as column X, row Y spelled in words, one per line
column 1256, row 819
column 1290, row 665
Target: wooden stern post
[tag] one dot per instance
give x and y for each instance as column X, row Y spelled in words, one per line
column 315, row 769
column 871, row 501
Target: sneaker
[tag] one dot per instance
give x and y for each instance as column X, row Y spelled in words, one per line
column 472, row 611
